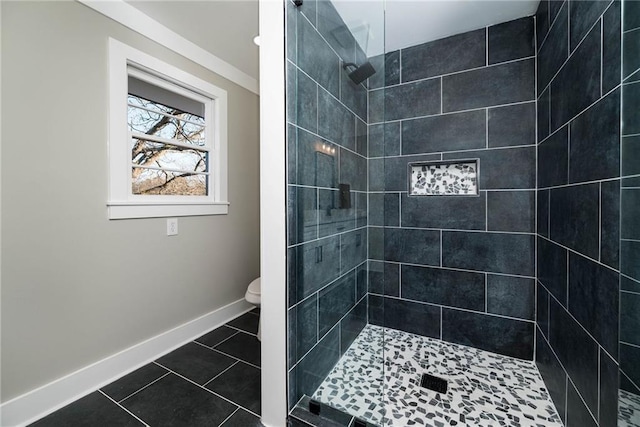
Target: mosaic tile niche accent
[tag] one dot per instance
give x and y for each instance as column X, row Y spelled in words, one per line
column 459, row 178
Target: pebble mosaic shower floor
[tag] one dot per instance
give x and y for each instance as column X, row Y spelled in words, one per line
column 485, row 389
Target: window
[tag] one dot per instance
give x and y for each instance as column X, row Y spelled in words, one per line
column 167, row 139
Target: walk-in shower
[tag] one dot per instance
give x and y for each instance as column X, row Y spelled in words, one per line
column 453, row 232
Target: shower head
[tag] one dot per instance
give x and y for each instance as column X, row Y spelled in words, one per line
column 361, row 73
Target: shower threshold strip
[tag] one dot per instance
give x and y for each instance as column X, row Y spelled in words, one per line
column 378, row 380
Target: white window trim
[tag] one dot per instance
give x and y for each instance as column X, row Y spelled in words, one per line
column 121, row 203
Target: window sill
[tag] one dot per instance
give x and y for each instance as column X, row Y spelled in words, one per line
column 128, row 210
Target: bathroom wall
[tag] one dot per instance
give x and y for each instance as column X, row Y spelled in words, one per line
column 459, row 268
column 578, row 207
column 630, row 205
column 327, row 232
column 76, row 287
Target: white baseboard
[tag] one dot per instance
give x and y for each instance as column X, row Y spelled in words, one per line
column 37, row 403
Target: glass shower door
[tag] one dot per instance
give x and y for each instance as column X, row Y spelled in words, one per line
column 335, row 363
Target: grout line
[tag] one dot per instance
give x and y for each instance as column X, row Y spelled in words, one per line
column 578, row 253
column 210, row 391
column 236, row 358
column 219, row 374
column 472, row 150
column 448, row 113
column 519, row 233
column 142, row 388
column 125, row 409
column 232, row 414
column 451, row 307
column 575, row 184
column 454, row 269
column 331, row 236
column 239, row 330
column 482, row 67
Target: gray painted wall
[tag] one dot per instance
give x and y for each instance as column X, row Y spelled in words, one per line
column 76, row 287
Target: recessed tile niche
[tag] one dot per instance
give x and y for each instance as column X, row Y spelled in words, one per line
column 448, row 178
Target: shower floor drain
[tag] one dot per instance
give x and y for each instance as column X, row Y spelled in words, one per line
column 433, row 383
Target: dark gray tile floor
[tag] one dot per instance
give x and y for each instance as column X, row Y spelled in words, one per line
column 212, row 381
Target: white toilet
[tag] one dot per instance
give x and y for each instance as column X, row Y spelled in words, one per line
column 253, row 297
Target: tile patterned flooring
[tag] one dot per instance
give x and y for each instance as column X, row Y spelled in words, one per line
column 212, row 381
column 378, row 380
column 629, row 412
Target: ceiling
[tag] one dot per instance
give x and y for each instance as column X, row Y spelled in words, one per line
column 411, row 22
column 226, row 28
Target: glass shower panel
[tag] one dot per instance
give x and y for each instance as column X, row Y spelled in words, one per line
column 333, row 64
column 629, row 350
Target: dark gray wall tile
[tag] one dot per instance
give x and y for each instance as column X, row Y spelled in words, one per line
column 444, row 287
column 542, row 309
column 352, row 325
column 577, row 413
column 385, row 209
column 449, row 132
column 317, row 364
column 317, row 59
column 611, row 61
column 405, row 101
column 610, row 223
column 485, row 87
column 582, row 15
column 552, row 268
column 496, row 334
column 630, row 153
column 542, row 22
column 384, row 139
column 511, row 211
column 353, row 249
column 574, row 218
column 630, row 318
column 292, row 23
column 335, row 301
column 555, row 379
column 387, row 70
column 353, row 96
column 362, row 138
column 384, row 278
column 335, row 122
column 458, row 213
column 361, row 209
column 391, row 173
column 511, row 296
column 577, row 352
column 302, row 214
column 544, row 111
column 315, row 168
column 543, row 212
column 316, row 264
column 333, row 218
column 594, row 142
column 362, row 280
column 629, row 356
column 292, row 154
column 553, row 159
column 629, row 256
column 306, row 102
column 631, row 17
column 444, row 56
column 412, row 317
column 608, row 413
column 305, row 316
column 511, row 40
column 309, row 9
column 512, row 125
column 627, row 284
column 334, row 31
column 519, row 161
column 593, row 300
column 554, row 8
column 577, row 85
column 630, row 209
column 412, row 246
column 353, row 170
column 491, row 252
column 631, row 111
